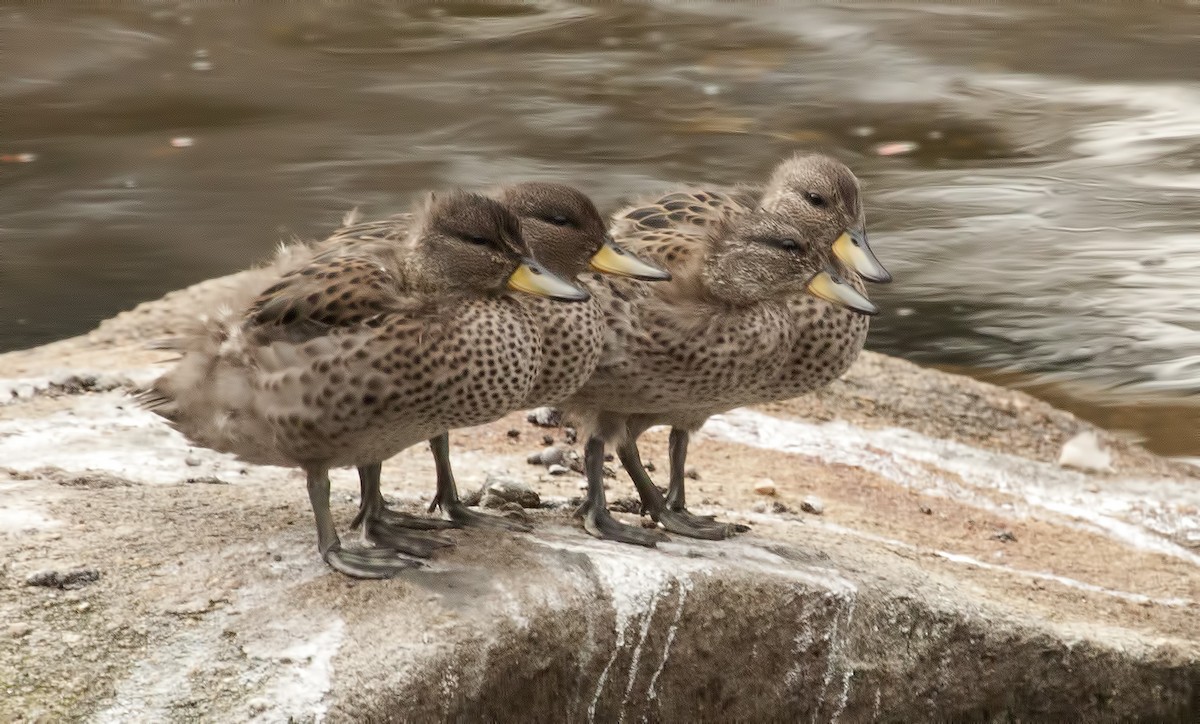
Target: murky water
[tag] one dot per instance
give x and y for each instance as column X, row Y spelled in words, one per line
column 1043, row 230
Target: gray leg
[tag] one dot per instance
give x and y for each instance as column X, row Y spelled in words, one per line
column 447, row 494
column 596, row 518
column 355, row 562
column 676, row 500
column 371, row 503
column 387, row 533
column 653, row 503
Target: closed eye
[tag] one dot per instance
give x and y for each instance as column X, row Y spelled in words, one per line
column 558, row 220
column 479, row 240
column 791, row 244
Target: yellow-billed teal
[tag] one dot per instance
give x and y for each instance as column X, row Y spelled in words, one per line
column 567, row 235
column 759, row 310
column 806, row 189
column 357, row 352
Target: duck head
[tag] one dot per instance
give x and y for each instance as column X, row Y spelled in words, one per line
column 469, row 242
column 566, row 232
column 763, row 256
column 815, row 191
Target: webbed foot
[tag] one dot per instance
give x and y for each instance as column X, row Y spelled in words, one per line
column 698, row 526
column 367, row 562
column 403, row 539
column 600, row 523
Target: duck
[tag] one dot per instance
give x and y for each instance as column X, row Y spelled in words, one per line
column 760, row 308
column 344, row 355
column 568, row 235
column 810, row 190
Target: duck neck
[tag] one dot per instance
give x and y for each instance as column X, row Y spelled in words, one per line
column 729, row 278
column 417, row 270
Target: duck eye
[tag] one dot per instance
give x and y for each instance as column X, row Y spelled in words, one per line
column 479, row 240
column 815, row 199
column 790, row 244
column 559, row 220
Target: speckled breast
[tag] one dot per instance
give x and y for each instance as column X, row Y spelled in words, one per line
column 405, row 383
column 572, row 341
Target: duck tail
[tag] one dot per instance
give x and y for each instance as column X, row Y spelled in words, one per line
column 208, row 388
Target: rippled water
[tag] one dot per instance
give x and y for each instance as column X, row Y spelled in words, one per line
column 1043, row 232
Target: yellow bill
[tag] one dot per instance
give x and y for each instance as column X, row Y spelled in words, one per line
column 829, row 286
column 852, row 248
column 533, row 278
column 612, row 259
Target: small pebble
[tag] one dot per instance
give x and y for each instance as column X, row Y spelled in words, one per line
column 515, row 509
column 926, row 509
column 63, row 579
column 692, row 474
column 19, row 630
column 547, row 440
column 548, row 456
column 83, row 607
column 649, row 465
column 514, row 433
column 1004, row 536
column 629, row 505
column 1085, row 451
column 812, row 504
column 545, row 417
column 558, row 469
column 499, row 492
column 191, row 461
column 766, row 486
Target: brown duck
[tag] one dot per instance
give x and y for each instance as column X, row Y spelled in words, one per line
column 760, row 309
column 357, row 352
column 567, row 235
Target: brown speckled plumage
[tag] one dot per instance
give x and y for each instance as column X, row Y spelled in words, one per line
column 564, row 231
column 572, row 334
column 734, row 328
column 345, row 354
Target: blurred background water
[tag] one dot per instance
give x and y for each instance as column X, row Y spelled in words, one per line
column 1036, row 197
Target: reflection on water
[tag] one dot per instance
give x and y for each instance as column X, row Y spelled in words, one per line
column 1044, row 226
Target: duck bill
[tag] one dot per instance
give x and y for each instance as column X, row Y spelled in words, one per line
column 852, row 248
column 612, row 259
column 829, row 286
column 533, row 278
